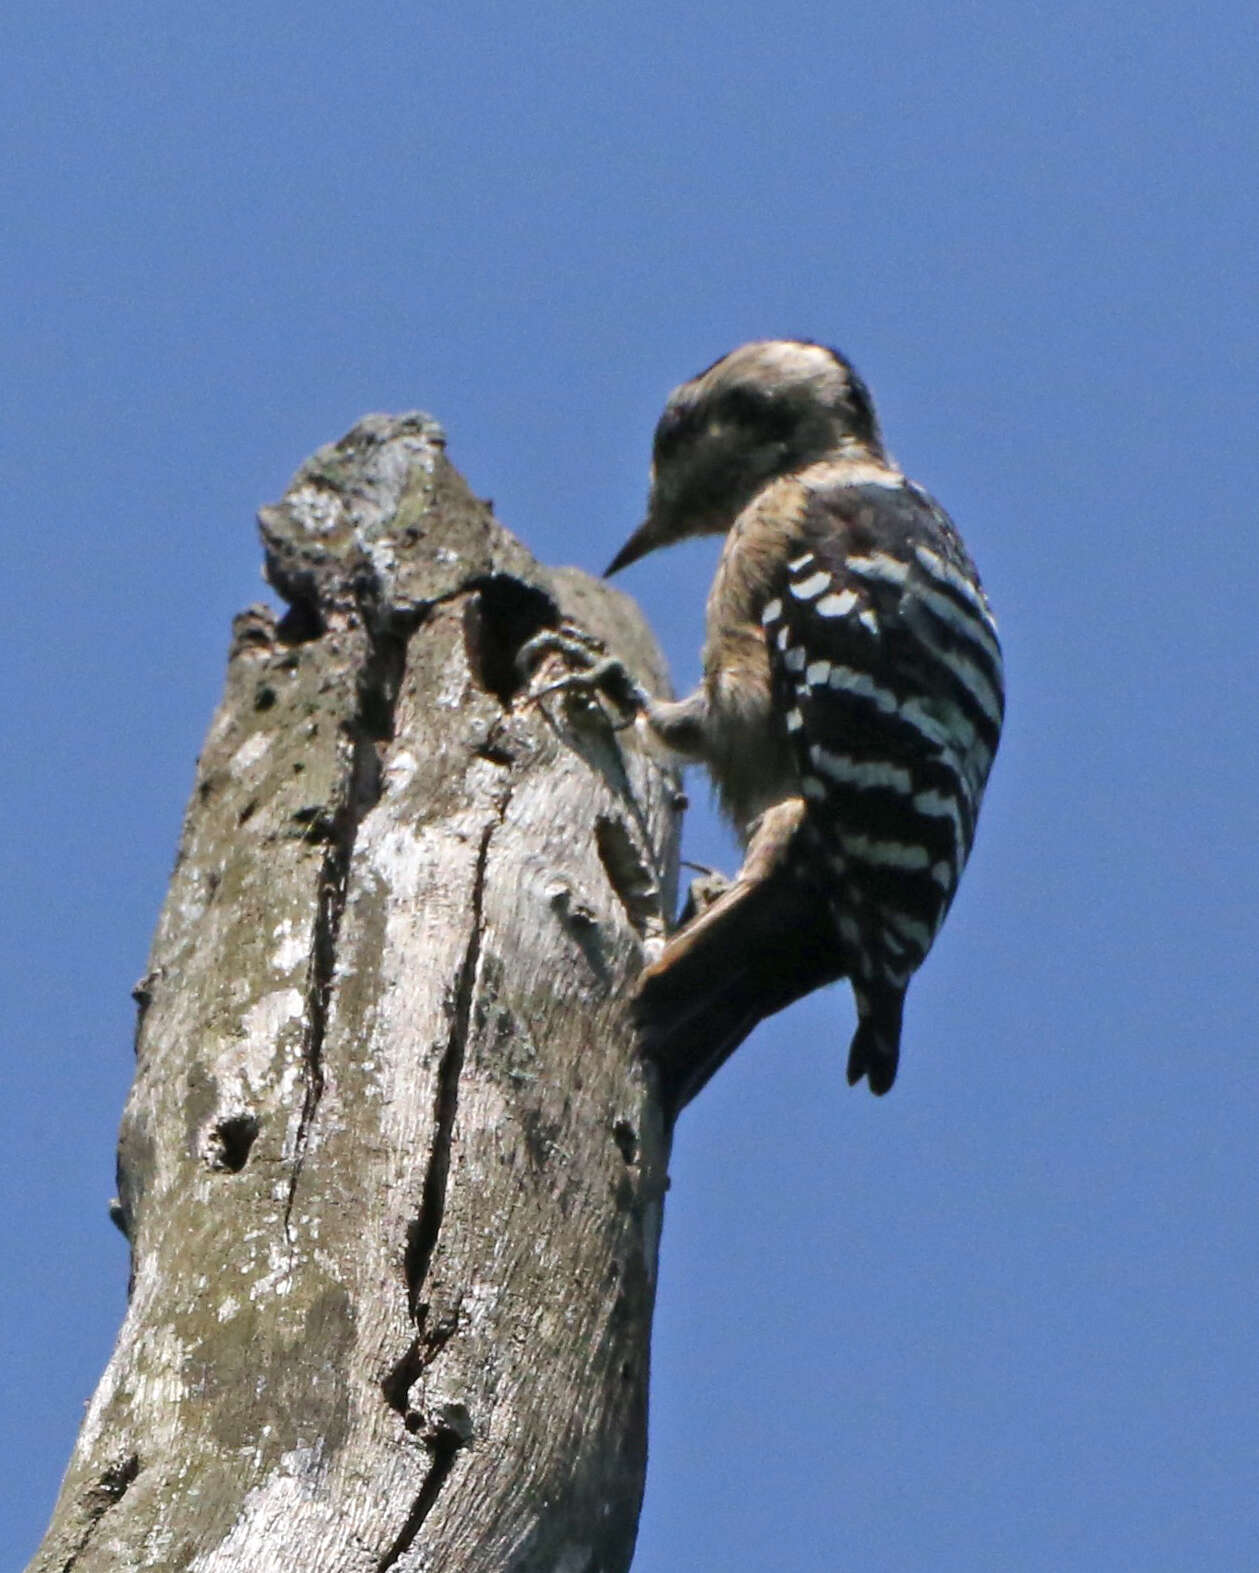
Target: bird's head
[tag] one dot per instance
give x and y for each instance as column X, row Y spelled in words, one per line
column 765, row 410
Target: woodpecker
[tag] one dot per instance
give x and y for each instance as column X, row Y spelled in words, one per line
column 849, row 711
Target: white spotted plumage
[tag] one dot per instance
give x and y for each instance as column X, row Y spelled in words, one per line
column 891, row 671
column 837, row 603
column 808, row 589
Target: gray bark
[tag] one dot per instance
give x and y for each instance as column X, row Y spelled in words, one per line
column 391, row 1169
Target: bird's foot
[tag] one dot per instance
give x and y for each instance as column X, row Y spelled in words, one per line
column 710, row 886
column 593, row 674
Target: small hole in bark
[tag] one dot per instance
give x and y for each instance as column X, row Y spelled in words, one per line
column 112, row 1486
column 504, row 615
column 626, row 1140
column 264, row 696
column 229, row 1142
column 300, row 624
column 119, row 1476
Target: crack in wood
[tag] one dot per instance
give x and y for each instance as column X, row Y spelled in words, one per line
column 633, row 881
column 444, row 1448
column 422, row 1351
column 330, row 904
column 609, row 762
column 372, row 722
column 423, row 1232
column 107, row 1493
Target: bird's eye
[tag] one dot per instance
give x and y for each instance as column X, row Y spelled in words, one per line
column 742, row 405
column 676, row 427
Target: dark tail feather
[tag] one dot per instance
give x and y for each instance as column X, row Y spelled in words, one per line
column 876, row 1044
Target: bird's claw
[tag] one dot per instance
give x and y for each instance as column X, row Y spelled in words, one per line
column 703, row 893
column 577, row 647
column 597, row 675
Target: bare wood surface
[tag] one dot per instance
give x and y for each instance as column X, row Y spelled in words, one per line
column 390, row 1167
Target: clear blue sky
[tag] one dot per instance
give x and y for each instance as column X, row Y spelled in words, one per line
column 1006, row 1317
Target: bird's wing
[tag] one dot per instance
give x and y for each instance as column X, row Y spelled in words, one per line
column 888, row 673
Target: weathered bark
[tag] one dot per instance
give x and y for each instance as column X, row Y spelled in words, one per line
column 391, row 1169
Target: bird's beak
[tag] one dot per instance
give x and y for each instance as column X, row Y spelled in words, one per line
column 644, row 538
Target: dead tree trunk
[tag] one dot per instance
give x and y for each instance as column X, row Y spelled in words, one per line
column 390, row 1167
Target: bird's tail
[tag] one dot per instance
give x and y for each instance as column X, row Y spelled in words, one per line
column 768, row 940
column 876, row 1044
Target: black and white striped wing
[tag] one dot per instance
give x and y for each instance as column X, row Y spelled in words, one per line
column 888, row 670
